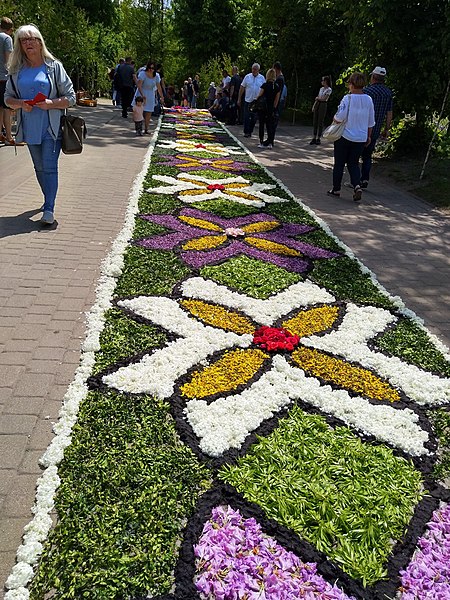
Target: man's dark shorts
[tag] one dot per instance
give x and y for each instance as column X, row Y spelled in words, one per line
column 2, row 94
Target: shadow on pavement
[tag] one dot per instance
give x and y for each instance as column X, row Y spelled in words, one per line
column 22, row 223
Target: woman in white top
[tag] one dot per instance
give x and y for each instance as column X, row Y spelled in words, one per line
column 356, row 108
column 320, row 109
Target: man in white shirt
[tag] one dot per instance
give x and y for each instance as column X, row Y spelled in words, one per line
column 250, row 86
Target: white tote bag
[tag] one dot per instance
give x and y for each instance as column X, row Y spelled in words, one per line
column 334, row 131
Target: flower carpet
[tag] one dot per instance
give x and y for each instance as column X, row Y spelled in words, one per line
column 254, row 416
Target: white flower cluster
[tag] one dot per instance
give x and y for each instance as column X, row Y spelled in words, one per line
column 192, row 146
column 185, row 182
column 156, row 373
column 265, row 312
column 359, row 325
column 225, row 423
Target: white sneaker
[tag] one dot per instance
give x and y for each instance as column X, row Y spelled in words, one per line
column 48, row 218
column 261, row 146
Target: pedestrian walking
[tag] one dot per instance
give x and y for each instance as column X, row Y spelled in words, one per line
column 270, row 92
column 382, row 98
column 126, row 80
column 356, row 109
column 138, row 114
column 39, row 89
column 319, row 109
column 250, row 88
column 148, row 84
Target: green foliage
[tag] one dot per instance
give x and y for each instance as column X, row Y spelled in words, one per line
column 411, row 343
column 212, row 71
column 342, row 276
column 440, row 420
column 123, row 338
column 207, row 27
column 128, row 484
column 348, row 498
column 252, row 277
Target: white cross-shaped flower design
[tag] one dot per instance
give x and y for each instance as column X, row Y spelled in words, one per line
column 225, row 422
column 195, row 188
column 192, row 146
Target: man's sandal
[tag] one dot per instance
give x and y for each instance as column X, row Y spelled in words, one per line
column 333, row 193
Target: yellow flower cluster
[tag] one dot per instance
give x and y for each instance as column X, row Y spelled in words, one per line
column 260, row 226
column 202, row 223
column 219, row 317
column 269, row 246
column 233, row 369
column 311, row 321
column 335, row 370
column 205, row 242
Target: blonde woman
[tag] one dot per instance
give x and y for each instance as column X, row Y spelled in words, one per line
column 34, row 70
column 270, row 91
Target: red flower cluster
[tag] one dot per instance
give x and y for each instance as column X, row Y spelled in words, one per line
column 216, row 186
column 275, row 338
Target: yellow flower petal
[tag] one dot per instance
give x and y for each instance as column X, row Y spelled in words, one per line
column 311, row 321
column 202, row 223
column 232, row 370
column 272, row 247
column 218, row 316
column 260, row 227
column 205, row 242
column 335, row 370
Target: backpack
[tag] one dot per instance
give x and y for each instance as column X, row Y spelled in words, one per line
column 283, row 93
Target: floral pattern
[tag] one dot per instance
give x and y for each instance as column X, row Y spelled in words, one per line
column 233, row 363
column 205, row 238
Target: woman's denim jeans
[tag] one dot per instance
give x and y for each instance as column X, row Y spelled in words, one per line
column 45, row 160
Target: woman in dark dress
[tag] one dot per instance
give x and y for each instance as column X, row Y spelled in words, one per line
column 270, row 91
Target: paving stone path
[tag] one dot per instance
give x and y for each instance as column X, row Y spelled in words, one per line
column 48, row 277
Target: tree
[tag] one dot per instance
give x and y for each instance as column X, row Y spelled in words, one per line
column 208, row 28
column 411, row 38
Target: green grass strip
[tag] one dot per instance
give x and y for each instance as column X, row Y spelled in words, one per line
column 349, row 499
column 411, row 343
column 128, row 484
column 122, row 338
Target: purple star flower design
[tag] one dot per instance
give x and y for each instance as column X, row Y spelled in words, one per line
column 192, row 163
column 204, row 238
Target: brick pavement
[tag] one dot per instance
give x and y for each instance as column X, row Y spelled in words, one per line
column 47, row 282
column 48, row 277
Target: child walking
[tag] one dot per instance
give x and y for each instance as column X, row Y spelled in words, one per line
column 138, row 114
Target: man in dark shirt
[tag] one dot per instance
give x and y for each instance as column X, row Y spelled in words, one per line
column 127, row 79
column 235, row 84
column 281, row 84
column 382, row 102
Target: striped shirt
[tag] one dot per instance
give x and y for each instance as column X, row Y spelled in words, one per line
column 382, row 102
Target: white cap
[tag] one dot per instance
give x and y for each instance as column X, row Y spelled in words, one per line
column 379, row 71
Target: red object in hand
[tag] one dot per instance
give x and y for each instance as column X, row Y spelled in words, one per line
column 40, row 97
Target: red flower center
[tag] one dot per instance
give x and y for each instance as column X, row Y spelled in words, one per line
column 275, row 338
column 200, row 146
column 216, row 186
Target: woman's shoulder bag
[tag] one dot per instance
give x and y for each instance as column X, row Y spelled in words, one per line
column 334, row 131
column 73, row 133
